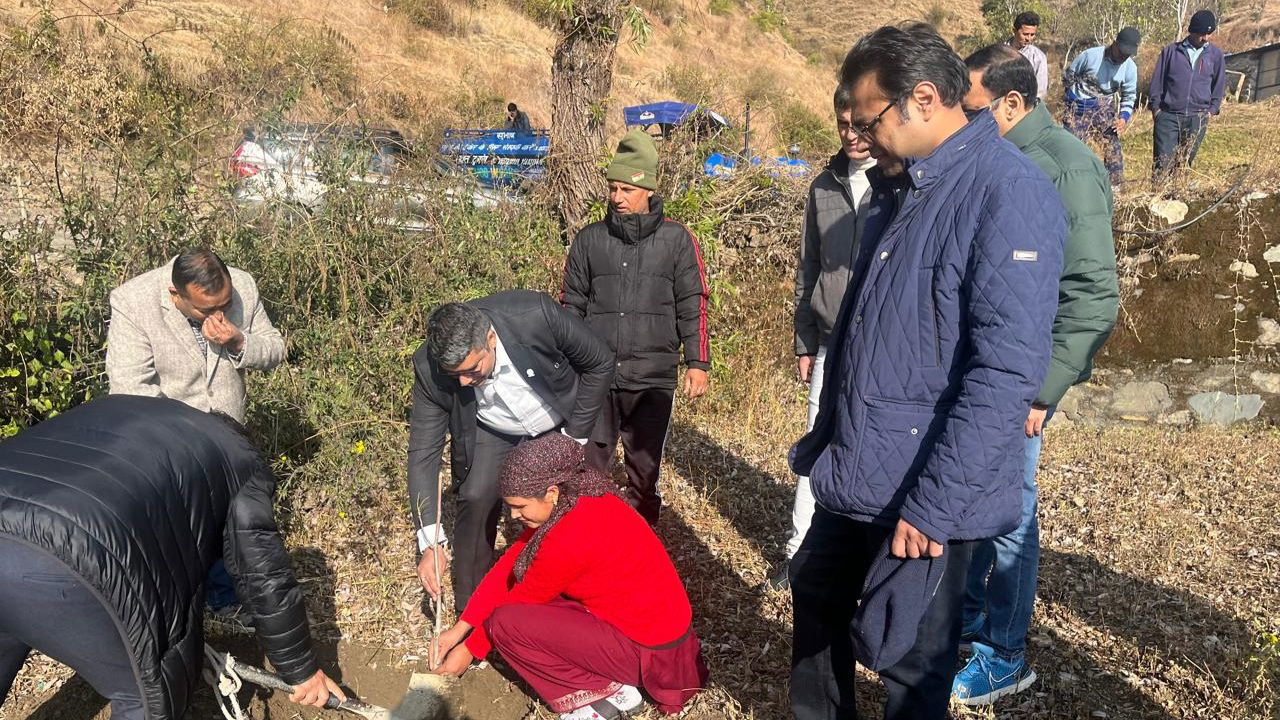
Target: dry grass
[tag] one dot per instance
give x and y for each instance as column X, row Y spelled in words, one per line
column 414, row 77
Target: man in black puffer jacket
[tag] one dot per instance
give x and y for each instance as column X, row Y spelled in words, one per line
column 639, row 280
column 110, row 517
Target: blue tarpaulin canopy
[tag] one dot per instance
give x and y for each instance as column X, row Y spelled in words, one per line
column 669, row 112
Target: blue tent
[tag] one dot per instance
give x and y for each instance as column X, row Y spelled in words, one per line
column 662, row 113
column 669, row 114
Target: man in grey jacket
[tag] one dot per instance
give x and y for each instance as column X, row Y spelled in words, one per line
column 188, row 331
column 829, row 243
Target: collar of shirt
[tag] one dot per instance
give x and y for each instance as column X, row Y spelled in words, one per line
column 502, row 364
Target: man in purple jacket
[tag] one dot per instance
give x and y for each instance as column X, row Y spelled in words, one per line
column 1186, row 88
column 941, row 344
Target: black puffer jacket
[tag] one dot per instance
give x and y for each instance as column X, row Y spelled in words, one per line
column 139, row 496
column 640, row 282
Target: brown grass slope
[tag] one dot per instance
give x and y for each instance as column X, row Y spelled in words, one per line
column 461, row 62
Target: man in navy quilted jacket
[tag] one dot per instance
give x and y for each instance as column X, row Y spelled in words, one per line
column 941, row 344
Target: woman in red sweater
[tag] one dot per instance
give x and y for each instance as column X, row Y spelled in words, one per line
column 586, row 605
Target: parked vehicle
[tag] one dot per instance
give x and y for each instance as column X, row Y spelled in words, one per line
column 300, row 166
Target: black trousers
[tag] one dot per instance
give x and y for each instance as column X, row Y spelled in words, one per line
column 827, row 575
column 641, row 418
column 43, row 606
column 475, row 528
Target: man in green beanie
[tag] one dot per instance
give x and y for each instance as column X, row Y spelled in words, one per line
column 638, row 279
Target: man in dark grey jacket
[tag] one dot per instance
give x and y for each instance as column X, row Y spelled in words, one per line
column 639, row 280
column 829, row 242
column 492, row 373
column 110, row 516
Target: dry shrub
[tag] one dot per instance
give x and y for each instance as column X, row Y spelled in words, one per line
column 51, row 87
column 434, row 15
column 281, row 62
column 690, row 83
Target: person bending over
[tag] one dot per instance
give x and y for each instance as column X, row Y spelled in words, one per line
column 111, row 515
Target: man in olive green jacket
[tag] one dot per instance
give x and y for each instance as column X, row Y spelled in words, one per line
column 1001, row 590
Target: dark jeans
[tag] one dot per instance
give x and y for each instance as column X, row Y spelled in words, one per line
column 43, row 606
column 641, row 418
column 475, row 528
column 1177, row 138
column 220, row 590
column 827, row 575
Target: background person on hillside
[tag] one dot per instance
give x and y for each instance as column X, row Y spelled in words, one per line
column 833, row 218
column 1025, row 27
column 111, row 515
column 939, row 349
column 189, row 330
column 492, row 373
column 638, row 279
column 517, row 119
column 1090, row 87
column 1186, row 88
column 585, row 605
column 1001, row 589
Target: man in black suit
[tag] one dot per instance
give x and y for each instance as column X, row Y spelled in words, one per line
column 492, row 373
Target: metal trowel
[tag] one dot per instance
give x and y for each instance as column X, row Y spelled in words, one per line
column 424, row 699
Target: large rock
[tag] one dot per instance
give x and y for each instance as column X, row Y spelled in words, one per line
column 1219, row 408
column 1268, row 332
column 1171, row 211
column 1272, row 255
column 1267, row 382
column 1141, row 398
column 1244, row 268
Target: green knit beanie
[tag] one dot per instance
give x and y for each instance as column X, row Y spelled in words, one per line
column 636, row 161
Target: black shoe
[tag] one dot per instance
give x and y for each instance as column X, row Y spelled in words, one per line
column 778, row 580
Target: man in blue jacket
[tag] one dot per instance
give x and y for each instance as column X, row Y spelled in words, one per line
column 942, row 342
column 1186, row 88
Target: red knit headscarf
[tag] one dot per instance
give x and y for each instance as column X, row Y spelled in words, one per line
column 536, row 465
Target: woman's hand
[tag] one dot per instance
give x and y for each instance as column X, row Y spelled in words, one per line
column 457, row 662
column 443, row 645
column 315, row 691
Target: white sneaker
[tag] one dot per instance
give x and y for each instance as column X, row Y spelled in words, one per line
column 587, row 712
column 626, row 699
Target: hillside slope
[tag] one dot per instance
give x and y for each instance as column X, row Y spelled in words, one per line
column 423, row 64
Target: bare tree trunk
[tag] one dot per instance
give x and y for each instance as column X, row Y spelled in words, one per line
column 581, row 78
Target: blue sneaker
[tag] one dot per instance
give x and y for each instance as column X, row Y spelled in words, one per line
column 987, row 678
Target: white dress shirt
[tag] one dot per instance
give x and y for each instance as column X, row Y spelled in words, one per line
column 506, row 403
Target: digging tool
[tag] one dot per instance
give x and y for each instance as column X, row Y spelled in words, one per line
column 423, row 701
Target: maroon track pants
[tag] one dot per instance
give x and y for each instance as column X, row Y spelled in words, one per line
column 572, row 658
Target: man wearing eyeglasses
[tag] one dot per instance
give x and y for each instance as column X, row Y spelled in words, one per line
column 492, row 373
column 1001, row 591
column 941, row 344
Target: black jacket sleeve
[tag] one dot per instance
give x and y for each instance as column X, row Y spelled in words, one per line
column 590, row 357
column 254, row 554
column 428, row 425
column 576, row 287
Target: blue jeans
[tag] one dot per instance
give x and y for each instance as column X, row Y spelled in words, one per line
column 1001, row 591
